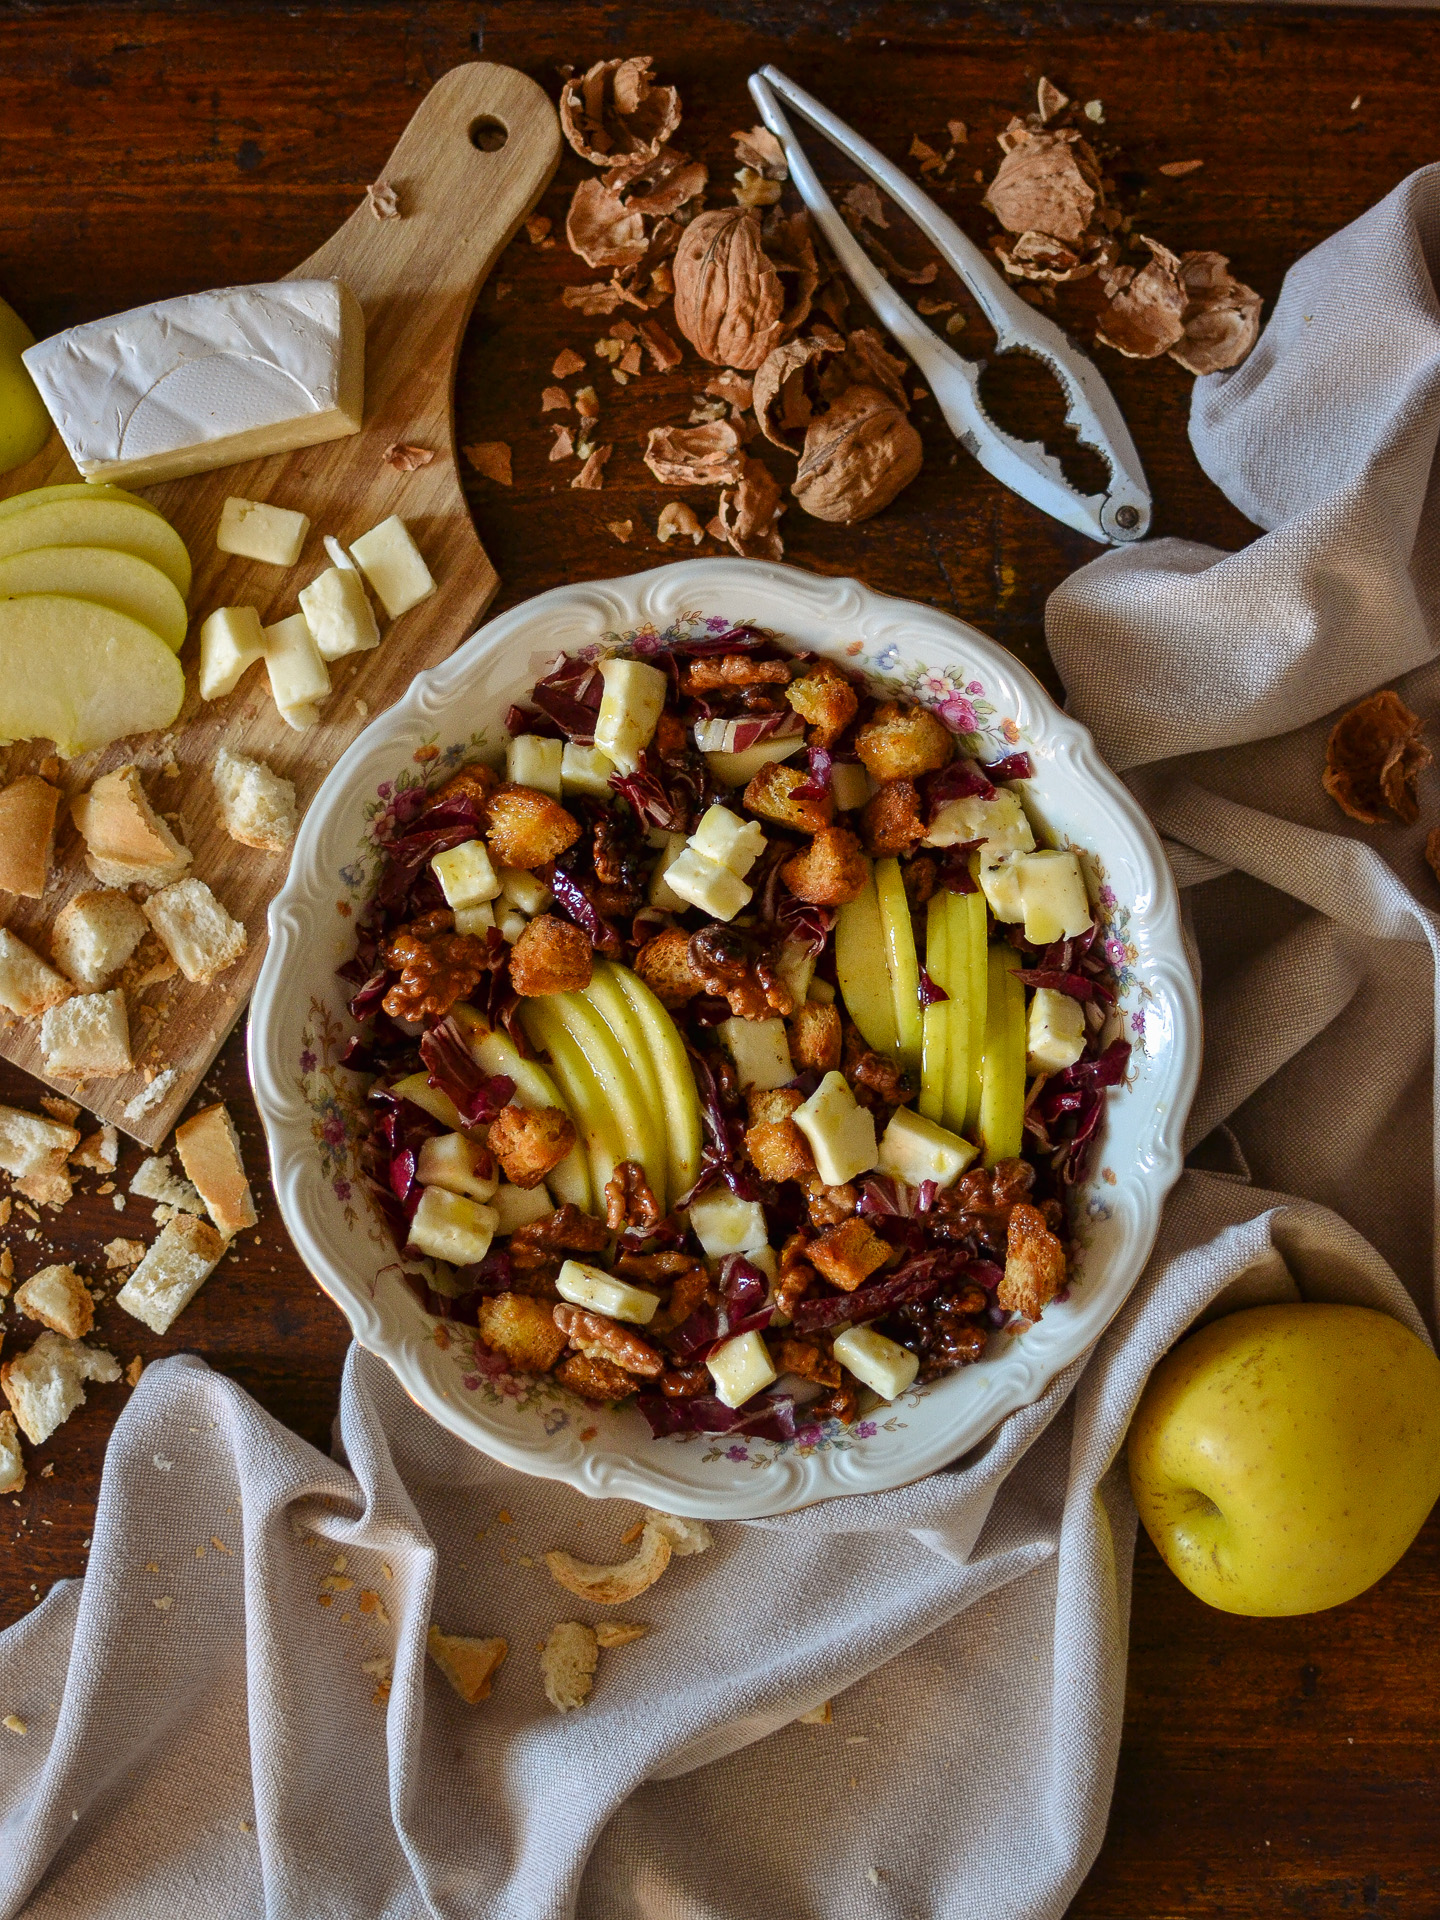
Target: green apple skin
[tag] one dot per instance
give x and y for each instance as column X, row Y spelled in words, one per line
column 24, row 423
column 1285, row 1457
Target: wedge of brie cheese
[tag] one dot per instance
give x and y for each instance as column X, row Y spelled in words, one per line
column 206, row 380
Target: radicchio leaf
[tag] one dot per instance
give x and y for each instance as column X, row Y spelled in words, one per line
column 962, row 780
column 1015, row 766
column 646, row 794
column 572, row 900
column 914, row 1279
column 806, row 924
column 520, row 720
column 953, row 874
column 816, row 783
column 478, row 1096
column 570, row 695
column 930, row 994
column 771, row 1416
column 1079, row 986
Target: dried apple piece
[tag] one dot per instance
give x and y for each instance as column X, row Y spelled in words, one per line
column 1374, row 757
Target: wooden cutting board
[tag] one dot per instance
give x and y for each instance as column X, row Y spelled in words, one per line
column 461, row 200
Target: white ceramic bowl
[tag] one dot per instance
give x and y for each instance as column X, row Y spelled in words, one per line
column 313, row 1109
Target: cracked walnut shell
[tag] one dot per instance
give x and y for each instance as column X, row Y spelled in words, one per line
column 729, row 301
column 615, row 112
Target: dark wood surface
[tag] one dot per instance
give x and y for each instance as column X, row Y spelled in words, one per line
column 1268, row 1767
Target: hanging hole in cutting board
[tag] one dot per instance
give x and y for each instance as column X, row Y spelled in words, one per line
column 488, row 134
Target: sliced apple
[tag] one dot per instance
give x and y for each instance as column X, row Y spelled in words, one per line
column 900, row 959
column 967, row 928
column 613, row 1007
column 1002, row 1089
column 597, row 1126
column 641, row 1128
column 81, row 675
column 416, row 1088
column 496, row 1052
column 864, row 975
column 936, row 1019
column 91, row 522
column 107, row 576
column 71, row 490
column 680, row 1102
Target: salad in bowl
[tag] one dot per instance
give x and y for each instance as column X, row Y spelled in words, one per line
column 726, row 1051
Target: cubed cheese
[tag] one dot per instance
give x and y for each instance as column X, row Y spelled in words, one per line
column 449, row 1226
column 1001, row 823
column 741, row 1368
column 723, row 1223
column 298, row 676
column 475, row 920
column 880, row 1364
column 704, row 883
column 914, row 1149
column 231, row 640
column 512, row 924
column 338, row 613
column 841, row 1132
column 660, row 893
column 821, row 993
column 1000, row 884
column 394, row 566
column 526, row 892
column 760, row 1050
column 1055, row 1037
column 601, row 1292
column 731, row 842
column 585, row 770
column 516, row 1207
column 533, row 761
column 451, row 1161
column 1052, row 893
column 850, row 785
column 259, row 531
column 630, row 707
column 466, row 876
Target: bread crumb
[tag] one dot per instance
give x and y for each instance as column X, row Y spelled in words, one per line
column 165, row 1602
column 120, row 1254
column 151, row 1096
column 620, row 1633
column 134, row 1371
column 469, row 1664
column 14, row 1723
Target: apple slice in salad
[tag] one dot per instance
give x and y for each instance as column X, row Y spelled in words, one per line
column 781, row 1024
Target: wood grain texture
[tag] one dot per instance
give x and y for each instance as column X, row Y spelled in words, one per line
column 1270, row 1768
column 416, row 278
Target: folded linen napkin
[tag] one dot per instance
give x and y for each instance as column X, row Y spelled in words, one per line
column 204, row 1735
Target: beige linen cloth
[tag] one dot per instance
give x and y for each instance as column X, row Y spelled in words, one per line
column 202, row 1734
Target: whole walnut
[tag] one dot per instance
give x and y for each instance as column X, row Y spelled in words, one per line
column 856, row 457
column 729, row 301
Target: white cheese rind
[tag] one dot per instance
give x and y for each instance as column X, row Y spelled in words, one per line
column 206, row 380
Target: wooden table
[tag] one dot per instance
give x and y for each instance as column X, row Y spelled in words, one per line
column 1269, row 1767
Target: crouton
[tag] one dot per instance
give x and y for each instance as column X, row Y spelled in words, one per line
column 849, row 1253
column 620, row 1633
column 172, row 1272
column 779, row 1150
column 1034, row 1264
column 528, row 828
column 891, row 821
column 831, row 870
column 46, row 1384
column 734, row 670
column 825, row 698
column 815, row 1036
column 807, row 1359
column 594, row 1379
column 27, row 834
column 49, row 1186
column 528, row 1142
column 613, row 1586
column 59, row 1299
column 95, row 934
column 474, row 782
column 664, row 965
column 257, row 807
column 29, row 1144
column 901, row 743
column 27, row 986
column 768, row 1105
column 522, row 1329
column 210, row 1154
column 468, row 1664
column 770, row 795
column 12, row 1461
column 551, row 956
column 567, row 1664
column 125, row 839
column 196, row 931
column 87, row 1037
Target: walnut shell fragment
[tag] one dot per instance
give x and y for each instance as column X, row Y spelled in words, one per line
column 615, row 111
column 602, row 230
column 1373, row 758
column 704, row 456
column 856, row 457
column 612, row 1586
column 783, row 406
column 749, row 514
column 762, row 153
column 1222, row 316
column 1146, row 317
column 1047, row 183
column 1432, row 851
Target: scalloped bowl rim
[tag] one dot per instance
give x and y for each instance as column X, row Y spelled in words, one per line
column 728, row 1483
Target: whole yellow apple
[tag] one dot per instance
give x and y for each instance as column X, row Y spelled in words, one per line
column 1284, row 1458
column 24, row 423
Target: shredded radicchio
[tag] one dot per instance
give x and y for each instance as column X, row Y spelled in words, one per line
column 930, row 994
column 723, row 1158
column 803, row 922
column 478, row 1096
column 742, row 1309
column 816, row 783
column 961, row 780
column 1079, row 986
column 770, row 1416
column 1015, row 766
column 570, row 695
column 953, row 875
column 573, row 900
column 1065, row 1115
column 646, row 793
column 914, row 1279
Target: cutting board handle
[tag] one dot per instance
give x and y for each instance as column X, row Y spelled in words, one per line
column 461, row 204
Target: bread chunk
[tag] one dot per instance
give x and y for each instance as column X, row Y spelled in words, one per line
column 59, row 1299
column 29, row 1143
column 523, row 1329
column 210, row 1154
column 195, row 929
column 27, row 834
column 27, row 985
column 551, row 956
column 87, row 1037
column 468, row 1664
column 125, row 839
column 46, row 1384
column 95, row 934
column 172, row 1272
column 257, row 807
column 12, row 1461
